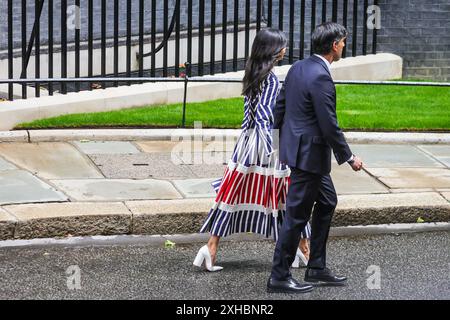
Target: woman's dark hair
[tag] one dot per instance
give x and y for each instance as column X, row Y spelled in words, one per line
column 325, row 35
column 266, row 47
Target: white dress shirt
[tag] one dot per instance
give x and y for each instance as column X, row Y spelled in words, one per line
column 325, row 60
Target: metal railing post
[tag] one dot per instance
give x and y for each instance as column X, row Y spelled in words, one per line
column 186, row 80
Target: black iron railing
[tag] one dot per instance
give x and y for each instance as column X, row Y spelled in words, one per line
column 139, row 33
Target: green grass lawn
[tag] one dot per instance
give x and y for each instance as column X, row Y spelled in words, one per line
column 360, row 107
column 393, row 107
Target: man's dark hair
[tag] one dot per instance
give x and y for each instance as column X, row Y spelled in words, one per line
column 325, row 35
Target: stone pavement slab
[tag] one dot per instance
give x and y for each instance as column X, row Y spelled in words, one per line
column 18, row 186
column 117, row 189
column 5, row 165
column 205, row 158
column 445, row 161
column 165, row 146
column 412, row 190
column 185, row 150
column 397, row 138
column 440, row 152
column 207, row 170
column 141, row 166
column 183, row 164
column 437, row 150
column 7, row 225
column 404, row 178
column 181, row 147
column 347, row 181
column 446, row 195
column 195, row 188
column 50, row 160
column 106, row 147
column 221, row 145
column 392, row 156
column 217, row 157
column 63, row 219
column 390, row 200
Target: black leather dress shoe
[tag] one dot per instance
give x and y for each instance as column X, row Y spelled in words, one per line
column 324, row 276
column 287, row 286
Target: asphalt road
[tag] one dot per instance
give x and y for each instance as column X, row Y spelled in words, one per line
column 405, row 266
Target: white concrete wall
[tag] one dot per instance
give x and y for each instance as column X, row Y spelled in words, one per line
column 375, row 67
column 372, row 67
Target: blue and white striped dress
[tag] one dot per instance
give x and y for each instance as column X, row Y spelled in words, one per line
column 251, row 195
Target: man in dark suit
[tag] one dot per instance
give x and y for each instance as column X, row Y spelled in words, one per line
column 305, row 114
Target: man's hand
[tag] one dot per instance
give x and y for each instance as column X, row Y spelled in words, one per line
column 357, row 163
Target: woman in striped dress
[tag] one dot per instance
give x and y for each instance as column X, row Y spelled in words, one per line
column 251, row 196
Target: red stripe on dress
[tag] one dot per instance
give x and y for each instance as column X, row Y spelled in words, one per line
column 272, row 193
column 254, row 188
column 261, row 190
column 276, row 189
column 258, row 187
column 230, row 185
column 249, row 188
column 223, row 186
column 242, row 191
column 236, row 189
column 267, row 191
column 226, row 186
column 245, row 191
column 231, row 188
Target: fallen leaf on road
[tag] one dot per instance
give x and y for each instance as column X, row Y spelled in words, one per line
column 169, row 244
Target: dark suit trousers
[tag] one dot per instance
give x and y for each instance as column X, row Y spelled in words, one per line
column 307, row 190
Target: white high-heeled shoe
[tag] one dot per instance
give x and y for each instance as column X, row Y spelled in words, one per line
column 299, row 256
column 203, row 255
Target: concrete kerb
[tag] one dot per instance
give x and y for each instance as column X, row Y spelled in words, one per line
column 14, row 136
column 185, row 216
column 65, row 219
column 177, row 134
column 7, row 225
column 192, row 238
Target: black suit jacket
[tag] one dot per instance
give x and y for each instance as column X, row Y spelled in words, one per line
column 305, row 113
